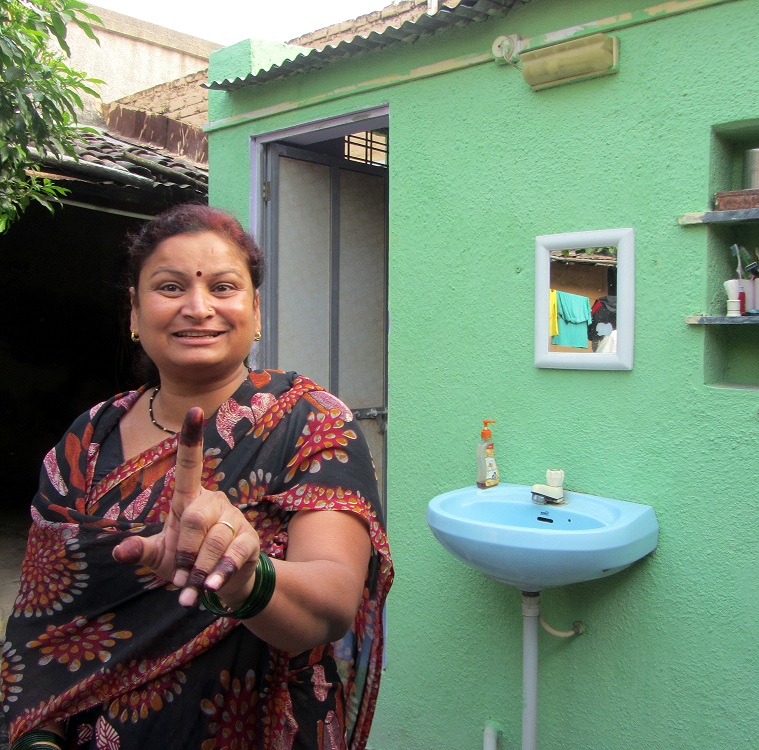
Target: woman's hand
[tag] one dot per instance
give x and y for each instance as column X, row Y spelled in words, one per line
column 319, row 584
column 205, row 541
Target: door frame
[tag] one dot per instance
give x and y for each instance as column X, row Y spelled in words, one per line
column 269, row 353
column 303, row 135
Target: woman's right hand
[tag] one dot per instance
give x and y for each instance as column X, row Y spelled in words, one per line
column 319, row 584
column 206, row 541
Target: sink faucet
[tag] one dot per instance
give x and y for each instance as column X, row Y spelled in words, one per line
column 552, row 492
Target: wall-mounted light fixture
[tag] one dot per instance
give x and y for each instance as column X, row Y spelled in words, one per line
column 565, row 62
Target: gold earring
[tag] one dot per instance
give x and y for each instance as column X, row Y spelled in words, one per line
column 135, row 337
column 257, row 337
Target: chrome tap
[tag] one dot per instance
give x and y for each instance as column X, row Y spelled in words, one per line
column 552, row 492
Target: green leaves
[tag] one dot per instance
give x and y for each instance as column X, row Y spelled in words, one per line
column 40, row 97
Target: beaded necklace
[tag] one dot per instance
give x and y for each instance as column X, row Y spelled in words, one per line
column 152, row 416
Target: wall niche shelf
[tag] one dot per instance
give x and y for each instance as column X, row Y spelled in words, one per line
column 722, row 320
column 737, row 216
column 730, row 344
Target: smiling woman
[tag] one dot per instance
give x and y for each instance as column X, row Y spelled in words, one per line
column 195, row 310
column 216, row 582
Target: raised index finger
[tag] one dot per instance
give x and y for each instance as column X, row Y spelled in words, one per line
column 189, row 468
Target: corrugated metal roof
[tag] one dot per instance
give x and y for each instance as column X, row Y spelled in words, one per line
column 466, row 12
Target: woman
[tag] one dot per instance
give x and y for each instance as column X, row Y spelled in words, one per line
column 201, row 583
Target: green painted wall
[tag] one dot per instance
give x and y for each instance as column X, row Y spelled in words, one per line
column 480, row 164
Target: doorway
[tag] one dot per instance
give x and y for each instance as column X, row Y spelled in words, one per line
column 323, row 224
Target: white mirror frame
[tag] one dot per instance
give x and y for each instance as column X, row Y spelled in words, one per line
column 624, row 241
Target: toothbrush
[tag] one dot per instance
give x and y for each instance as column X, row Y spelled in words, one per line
column 736, row 251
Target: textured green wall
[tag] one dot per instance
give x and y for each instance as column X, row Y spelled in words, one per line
column 480, row 164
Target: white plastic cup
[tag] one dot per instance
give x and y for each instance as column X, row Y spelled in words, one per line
column 731, row 288
column 748, row 288
column 733, row 308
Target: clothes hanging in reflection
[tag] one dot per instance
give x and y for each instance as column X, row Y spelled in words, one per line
column 553, row 314
column 574, row 317
column 608, row 344
column 604, row 319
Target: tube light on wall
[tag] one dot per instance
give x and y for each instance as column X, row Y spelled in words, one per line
column 567, row 62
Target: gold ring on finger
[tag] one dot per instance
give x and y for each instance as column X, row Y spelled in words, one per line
column 229, row 526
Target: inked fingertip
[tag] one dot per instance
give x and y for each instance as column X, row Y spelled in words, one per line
column 191, row 433
column 129, row 551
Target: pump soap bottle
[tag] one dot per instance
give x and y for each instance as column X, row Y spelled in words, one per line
column 487, row 471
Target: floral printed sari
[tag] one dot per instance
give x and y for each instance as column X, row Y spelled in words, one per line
column 107, row 647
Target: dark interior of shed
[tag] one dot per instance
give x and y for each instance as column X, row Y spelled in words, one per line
column 65, row 343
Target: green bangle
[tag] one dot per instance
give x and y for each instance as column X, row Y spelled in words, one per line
column 39, row 739
column 259, row 597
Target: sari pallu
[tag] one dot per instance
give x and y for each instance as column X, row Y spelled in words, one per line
column 108, row 648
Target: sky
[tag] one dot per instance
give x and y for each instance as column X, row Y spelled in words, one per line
column 230, row 21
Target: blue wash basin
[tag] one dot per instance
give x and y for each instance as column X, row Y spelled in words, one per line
column 502, row 533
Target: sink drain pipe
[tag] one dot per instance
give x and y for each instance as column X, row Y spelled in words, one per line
column 530, row 619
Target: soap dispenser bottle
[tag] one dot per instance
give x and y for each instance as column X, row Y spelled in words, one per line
column 487, row 471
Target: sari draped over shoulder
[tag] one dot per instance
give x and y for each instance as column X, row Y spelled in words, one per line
column 107, row 647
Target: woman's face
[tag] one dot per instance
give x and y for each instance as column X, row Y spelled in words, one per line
column 196, row 310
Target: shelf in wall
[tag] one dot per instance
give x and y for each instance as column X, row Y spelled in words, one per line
column 738, row 216
column 722, row 320
column 730, row 344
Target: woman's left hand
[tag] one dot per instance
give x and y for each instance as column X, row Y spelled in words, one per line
column 206, row 541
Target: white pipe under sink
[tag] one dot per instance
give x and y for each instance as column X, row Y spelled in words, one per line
column 531, row 619
column 530, row 616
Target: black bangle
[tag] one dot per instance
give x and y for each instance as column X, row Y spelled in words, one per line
column 38, row 739
column 259, row 597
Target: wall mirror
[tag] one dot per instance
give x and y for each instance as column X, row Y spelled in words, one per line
column 585, row 300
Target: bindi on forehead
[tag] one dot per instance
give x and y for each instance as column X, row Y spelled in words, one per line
column 198, row 273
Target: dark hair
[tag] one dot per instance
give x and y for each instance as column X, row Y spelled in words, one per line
column 191, row 218
column 187, row 218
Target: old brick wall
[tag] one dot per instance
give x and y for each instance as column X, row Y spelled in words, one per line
column 183, row 100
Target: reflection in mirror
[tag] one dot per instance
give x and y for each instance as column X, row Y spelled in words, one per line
column 584, row 301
